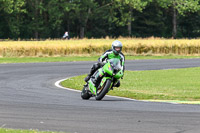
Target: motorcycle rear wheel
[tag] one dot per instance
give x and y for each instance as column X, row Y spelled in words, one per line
column 85, row 94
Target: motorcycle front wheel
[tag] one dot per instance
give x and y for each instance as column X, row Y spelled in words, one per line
column 102, row 92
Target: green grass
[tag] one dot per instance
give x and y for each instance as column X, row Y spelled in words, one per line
column 175, row 84
column 45, row 59
column 80, row 58
column 3, row 130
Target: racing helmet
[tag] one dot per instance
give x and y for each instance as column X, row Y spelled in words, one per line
column 116, row 47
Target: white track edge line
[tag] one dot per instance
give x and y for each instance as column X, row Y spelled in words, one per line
column 57, row 84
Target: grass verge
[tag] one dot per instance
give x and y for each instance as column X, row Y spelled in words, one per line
column 167, row 85
column 3, row 130
column 81, row 58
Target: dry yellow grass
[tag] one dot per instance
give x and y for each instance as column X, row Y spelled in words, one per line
column 131, row 46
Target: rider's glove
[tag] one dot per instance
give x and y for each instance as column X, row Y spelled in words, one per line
column 105, row 61
column 101, row 63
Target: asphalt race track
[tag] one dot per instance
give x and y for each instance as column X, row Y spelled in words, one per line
column 30, row 100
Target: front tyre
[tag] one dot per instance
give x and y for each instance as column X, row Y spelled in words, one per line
column 103, row 92
column 85, row 94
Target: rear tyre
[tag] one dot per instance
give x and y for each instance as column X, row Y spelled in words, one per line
column 103, row 92
column 85, row 94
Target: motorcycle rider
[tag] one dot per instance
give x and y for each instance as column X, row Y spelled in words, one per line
column 114, row 52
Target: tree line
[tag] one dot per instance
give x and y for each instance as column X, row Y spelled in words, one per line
column 38, row 19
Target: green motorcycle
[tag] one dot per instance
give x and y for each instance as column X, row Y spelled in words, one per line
column 110, row 74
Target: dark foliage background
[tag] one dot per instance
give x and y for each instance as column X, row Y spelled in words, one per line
column 41, row 19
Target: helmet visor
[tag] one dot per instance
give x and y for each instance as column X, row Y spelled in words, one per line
column 118, row 49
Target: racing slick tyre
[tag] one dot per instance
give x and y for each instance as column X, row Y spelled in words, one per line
column 102, row 92
column 85, row 94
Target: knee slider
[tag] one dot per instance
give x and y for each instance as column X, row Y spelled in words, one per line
column 117, row 84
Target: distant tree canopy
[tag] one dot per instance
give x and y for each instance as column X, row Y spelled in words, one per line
column 37, row 19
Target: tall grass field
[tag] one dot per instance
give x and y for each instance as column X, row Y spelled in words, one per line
column 131, row 46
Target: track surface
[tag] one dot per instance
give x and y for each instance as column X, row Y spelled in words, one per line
column 30, row 100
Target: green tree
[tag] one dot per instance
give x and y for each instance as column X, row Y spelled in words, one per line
column 179, row 7
column 56, row 11
column 191, row 27
column 35, row 15
column 11, row 13
column 82, row 10
column 151, row 22
column 126, row 8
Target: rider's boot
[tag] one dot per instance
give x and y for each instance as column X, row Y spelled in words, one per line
column 97, row 78
column 116, row 84
column 93, row 69
column 88, row 77
column 90, row 74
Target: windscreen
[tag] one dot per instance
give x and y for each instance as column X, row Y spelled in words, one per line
column 115, row 63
